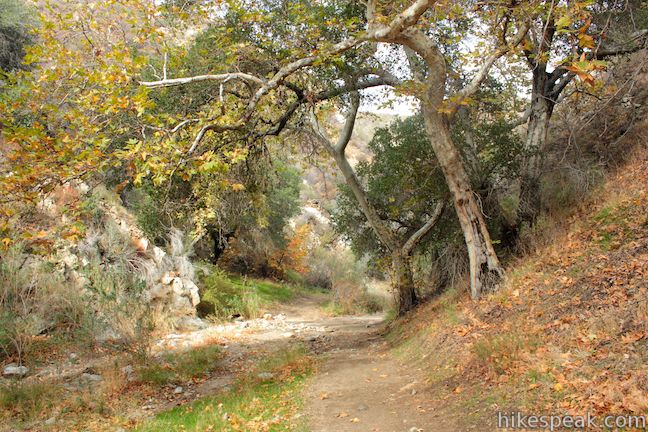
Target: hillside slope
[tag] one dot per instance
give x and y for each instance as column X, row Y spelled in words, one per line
column 567, row 334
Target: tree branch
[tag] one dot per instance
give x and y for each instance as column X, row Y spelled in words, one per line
column 635, row 43
column 523, row 119
column 347, row 130
column 384, row 78
column 473, row 86
column 406, row 18
column 415, row 238
column 223, row 78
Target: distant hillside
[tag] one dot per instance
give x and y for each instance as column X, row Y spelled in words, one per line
column 321, row 181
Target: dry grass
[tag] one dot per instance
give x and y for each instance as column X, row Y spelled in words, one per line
column 567, row 333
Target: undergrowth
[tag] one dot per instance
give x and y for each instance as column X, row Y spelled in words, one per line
column 180, row 367
column 266, row 399
column 566, row 333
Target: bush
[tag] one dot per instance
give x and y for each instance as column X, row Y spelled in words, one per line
column 122, row 312
column 33, row 300
column 181, row 367
column 228, row 298
column 27, row 400
column 502, row 351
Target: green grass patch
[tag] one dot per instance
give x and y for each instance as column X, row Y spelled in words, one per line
column 26, row 401
column 266, row 290
column 181, row 367
column 264, row 403
column 224, row 295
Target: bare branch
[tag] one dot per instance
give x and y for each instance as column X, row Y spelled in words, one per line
column 183, row 124
column 385, row 78
column 411, row 243
column 403, row 20
column 219, row 78
column 347, row 130
column 635, row 43
column 523, row 119
column 472, row 87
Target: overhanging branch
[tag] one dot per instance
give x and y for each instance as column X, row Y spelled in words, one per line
column 415, row 239
column 222, row 78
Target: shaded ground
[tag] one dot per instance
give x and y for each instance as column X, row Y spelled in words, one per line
column 360, row 385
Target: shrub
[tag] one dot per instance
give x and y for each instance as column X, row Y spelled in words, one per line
column 27, row 400
column 228, row 298
column 33, row 299
column 181, row 367
column 500, row 352
column 121, row 310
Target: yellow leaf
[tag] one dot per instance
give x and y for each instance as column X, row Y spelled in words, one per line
column 238, row 187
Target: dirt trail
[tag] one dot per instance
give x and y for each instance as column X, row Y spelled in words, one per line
column 360, row 385
column 363, row 387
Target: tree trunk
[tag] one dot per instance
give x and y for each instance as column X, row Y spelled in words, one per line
column 485, row 269
column 219, row 243
column 403, row 282
column 537, row 128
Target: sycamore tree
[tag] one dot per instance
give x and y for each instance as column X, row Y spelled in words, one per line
column 398, row 244
column 88, row 102
column 405, row 188
column 338, row 41
column 567, row 43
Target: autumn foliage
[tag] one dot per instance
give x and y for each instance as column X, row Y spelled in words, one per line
column 568, row 334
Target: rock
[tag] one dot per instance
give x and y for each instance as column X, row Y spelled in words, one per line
column 108, row 335
column 413, row 392
column 244, row 324
column 158, row 255
column 73, row 357
column 288, row 335
column 311, row 338
column 167, row 278
column 178, row 390
column 13, row 370
column 267, row 316
column 178, row 286
column 362, row 407
column 265, row 375
column 159, row 291
column 415, row 429
column 91, row 377
column 129, row 372
column 190, row 323
column 50, row 421
column 191, row 289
